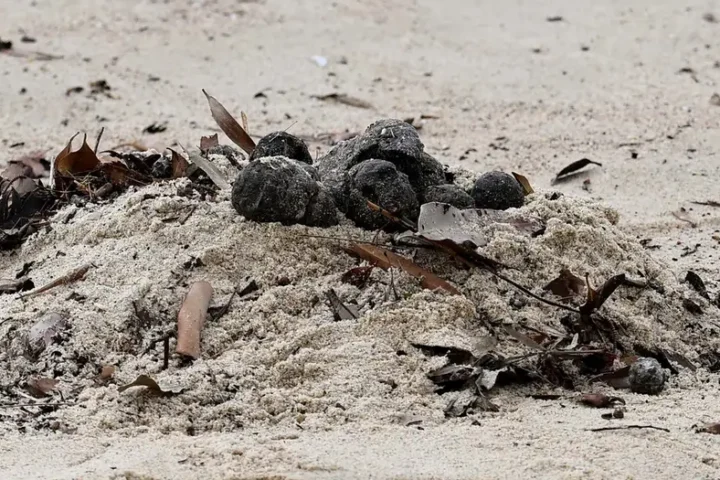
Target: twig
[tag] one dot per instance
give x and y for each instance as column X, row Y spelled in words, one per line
column 187, row 216
column 97, row 142
column 709, row 203
column 628, row 427
column 225, row 307
column 22, row 405
column 73, row 276
column 166, row 352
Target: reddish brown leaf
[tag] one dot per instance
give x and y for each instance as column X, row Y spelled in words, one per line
column 566, row 285
column 385, row 259
column 599, row 400
column 524, row 182
column 206, row 143
column 151, row 384
column 713, row 428
column 83, row 160
column 229, row 125
column 179, row 164
column 357, row 276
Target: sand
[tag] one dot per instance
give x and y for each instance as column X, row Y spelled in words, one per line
column 501, row 105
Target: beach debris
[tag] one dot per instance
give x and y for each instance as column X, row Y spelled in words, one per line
column 210, row 170
column 106, row 372
column 690, row 71
column 600, row 400
column 449, row 194
column 555, row 18
column 152, row 386
column 629, row 427
column 596, row 298
column 218, row 312
column 524, row 183
column 319, row 60
column 357, row 276
column 344, row 99
column 282, row 144
column 455, row 355
column 209, row 142
column 617, row 379
column 378, row 181
column 647, row 376
column 341, row 311
column 191, row 318
column 278, row 189
column 45, row 330
column 713, row 428
column 692, row 306
column 572, row 170
column 521, row 337
column 385, row 259
column 40, row 387
column 6, row 47
column 15, row 285
column 566, row 286
column 74, row 276
column 497, row 191
column 708, row 203
column 99, row 87
column 697, row 284
column 684, row 216
column 155, row 127
column 715, row 99
column 229, row 125
column 710, row 17
column 178, row 165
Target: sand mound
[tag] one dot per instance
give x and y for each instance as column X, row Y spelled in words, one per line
column 279, row 357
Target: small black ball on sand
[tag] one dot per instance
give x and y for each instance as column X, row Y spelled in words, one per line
column 381, row 183
column 647, row 376
column 278, row 189
column 162, row 168
column 497, row 190
column 282, row 144
column 450, row 194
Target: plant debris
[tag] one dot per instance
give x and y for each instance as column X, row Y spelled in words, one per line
column 341, row 311
column 74, row 276
column 229, row 125
column 357, row 276
column 41, row 386
column 600, row 400
column 572, row 170
column 524, row 182
column 191, row 318
column 713, row 428
column 344, row 99
column 697, row 283
column 155, row 128
column 629, row 427
column 708, row 203
column 152, row 386
column 566, row 286
column 22, row 284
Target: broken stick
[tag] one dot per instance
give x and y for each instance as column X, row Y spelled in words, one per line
column 73, row 276
column 191, row 318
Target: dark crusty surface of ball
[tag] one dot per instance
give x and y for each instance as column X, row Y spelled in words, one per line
column 283, row 144
column 278, row 189
column 497, row 190
column 647, row 376
column 381, row 183
column 450, row 194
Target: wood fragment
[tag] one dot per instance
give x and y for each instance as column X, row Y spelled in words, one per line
column 628, row 427
column 71, row 277
column 191, row 318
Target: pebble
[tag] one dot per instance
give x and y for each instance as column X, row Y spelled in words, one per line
column 282, row 144
column 647, row 376
column 498, row 191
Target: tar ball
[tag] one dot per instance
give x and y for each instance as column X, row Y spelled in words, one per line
column 162, row 168
column 498, row 191
column 282, row 144
column 450, row 194
column 647, row 376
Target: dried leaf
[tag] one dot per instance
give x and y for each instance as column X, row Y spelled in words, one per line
column 488, row 378
column 385, row 259
column 229, row 125
column 81, row 161
column 206, row 143
column 571, row 169
column 713, row 428
column 566, row 285
column 357, row 276
column 179, row 164
column 43, row 331
column 211, row 170
column 152, row 385
column 41, row 386
column 107, row 372
column 616, row 379
column 451, row 376
column 341, row 311
column 524, row 182
column 522, row 338
column 708, row 203
column 596, row 298
column 22, row 284
column 697, row 283
column 599, row 400
column 344, row 99
column 244, row 120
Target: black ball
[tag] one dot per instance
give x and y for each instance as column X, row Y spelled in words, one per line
column 282, row 144
column 450, row 194
column 498, row 191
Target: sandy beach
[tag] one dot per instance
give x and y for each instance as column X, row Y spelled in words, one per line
column 515, row 86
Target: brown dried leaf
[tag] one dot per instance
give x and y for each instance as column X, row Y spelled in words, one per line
column 83, row 160
column 713, row 428
column 357, row 276
column 385, row 259
column 341, row 311
column 229, row 125
column 21, row 284
column 596, row 298
column 41, row 386
column 107, row 372
column 206, row 143
column 599, row 400
column 566, row 285
column 179, row 164
column 152, row 385
column 524, row 182
column 455, row 355
column 571, row 169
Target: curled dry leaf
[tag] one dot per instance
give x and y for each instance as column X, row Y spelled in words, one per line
column 191, row 318
column 41, row 386
column 524, row 182
column 566, row 286
column 713, row 428
column 357, row 276
column 74, row 163
column 385, row 259
column 206, row 143
column 600, row 400
column 697, row 284
column 210, row 170
column 229, row 125
column 596, row 298
column 152, row 385
column 572, row 169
